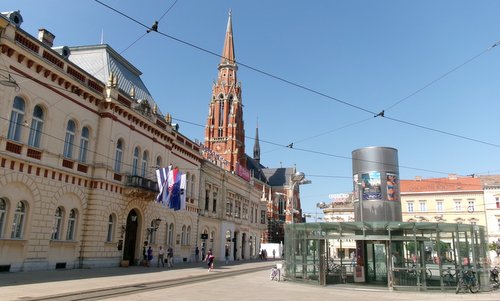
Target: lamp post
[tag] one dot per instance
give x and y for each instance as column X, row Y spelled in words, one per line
column 297, row 178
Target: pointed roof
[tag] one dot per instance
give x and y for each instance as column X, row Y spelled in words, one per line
column 256, row 146
column 228, row 56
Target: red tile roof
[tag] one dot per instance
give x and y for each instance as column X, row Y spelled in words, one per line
column 440, row 184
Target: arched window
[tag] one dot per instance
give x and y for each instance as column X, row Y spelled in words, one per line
column 36, row 127
column 221, row 115
column 170, row 240
column 144, row 164
column 118, row 155
column 158, row 162
column 135, row 161
column 16, row 119
column 192, row 185
column 183, row 235
column 84, row 145
column 188, row 236
column 111, row 228
column 70, row 234
column 19, row 220
column 69, row 140
column 3, row 213
column 58, row 218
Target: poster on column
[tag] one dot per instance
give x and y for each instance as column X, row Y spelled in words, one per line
column 392, row 186
column 370, row 184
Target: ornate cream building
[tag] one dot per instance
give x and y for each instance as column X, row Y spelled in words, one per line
column 80, row 140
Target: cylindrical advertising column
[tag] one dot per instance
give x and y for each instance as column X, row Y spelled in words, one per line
column 376, row 184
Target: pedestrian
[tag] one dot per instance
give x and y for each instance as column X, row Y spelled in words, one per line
column 274, row 253
column 170, row 257
column 144, row 256
column 203, row 253
column 227, row 254
column 150, row 255
column 196, row 254
column 210, row 260
column 161, row 255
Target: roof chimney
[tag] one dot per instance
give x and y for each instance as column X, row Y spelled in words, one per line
column 452, row 176
column 46, row 37
column 418, row 178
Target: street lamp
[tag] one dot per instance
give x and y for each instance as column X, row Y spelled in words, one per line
column 154, row 226
column 297, row 178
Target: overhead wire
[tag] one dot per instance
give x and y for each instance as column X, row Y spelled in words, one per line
column 375, row 114
column 442, row 76
column 318, row 152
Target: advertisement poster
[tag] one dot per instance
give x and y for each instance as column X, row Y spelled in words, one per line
column 392, row 187
column 356, row 187
column 370, row 183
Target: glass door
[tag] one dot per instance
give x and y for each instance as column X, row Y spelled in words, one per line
column 376, row 262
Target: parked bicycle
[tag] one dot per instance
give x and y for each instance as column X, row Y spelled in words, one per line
column 467, row 281
column 494, row 281
column 275, row 274
column 334, row 268
column 413, row 271
column 448, row 277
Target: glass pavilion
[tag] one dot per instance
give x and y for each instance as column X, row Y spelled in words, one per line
column 399, row 255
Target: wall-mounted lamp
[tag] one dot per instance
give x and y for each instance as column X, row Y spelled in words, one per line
column 123, row 228
column 154, row 225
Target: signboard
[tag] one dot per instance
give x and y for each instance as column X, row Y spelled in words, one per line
column 339, row 197
column 204, row 236
column 370, row 185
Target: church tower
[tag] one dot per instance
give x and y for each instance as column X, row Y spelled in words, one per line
column 224, row 131
column 256, row 146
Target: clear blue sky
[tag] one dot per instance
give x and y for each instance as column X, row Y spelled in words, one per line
column 368, row 54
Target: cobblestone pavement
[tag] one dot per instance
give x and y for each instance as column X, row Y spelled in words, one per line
column 252, row 286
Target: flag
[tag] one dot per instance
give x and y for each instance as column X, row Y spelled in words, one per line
column 162, row 177
column 175, row 193
column 172, row 175
column 183, row 192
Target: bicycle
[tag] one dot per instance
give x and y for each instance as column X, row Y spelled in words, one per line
column 334, row 268
column 467, row 281
column 414, row 272
column 274, row 274
column 448, row 277
column 494, row 279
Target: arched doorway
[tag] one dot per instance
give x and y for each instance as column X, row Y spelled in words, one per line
column 130, row 243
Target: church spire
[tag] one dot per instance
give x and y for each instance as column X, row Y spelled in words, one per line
column 256, row 146
column 228, row 57
column 225, row 131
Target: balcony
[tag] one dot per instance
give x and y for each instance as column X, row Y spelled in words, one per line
column 139, row 187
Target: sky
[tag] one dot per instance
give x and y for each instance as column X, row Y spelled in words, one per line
column 315, row 74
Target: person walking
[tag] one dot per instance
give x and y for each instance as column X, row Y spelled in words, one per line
column 170, row 257
column 150, row 255
column 196, row 254
column 227, row 254
column 210, row 260
column 161, row 256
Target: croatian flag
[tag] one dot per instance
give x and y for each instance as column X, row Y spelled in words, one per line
column 183, row 192
column 172, row 175
column 162, row 178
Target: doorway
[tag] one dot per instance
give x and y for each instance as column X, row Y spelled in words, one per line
column 376, row 262
column 130, row 242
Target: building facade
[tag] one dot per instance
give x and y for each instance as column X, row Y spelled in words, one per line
column 80, row 139
column 451, row 200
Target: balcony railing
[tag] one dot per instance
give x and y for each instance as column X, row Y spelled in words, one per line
column 140, row 182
